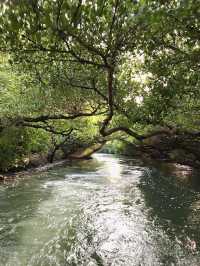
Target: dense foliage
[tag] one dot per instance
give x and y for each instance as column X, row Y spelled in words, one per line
column 95, row 70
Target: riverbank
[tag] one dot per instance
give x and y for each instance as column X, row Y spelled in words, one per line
column 19, row 173
column 180, row 148
column 180, row 170
column 40, row 162
column 162, row 149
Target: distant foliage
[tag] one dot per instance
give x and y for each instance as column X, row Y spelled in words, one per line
column 14, row 145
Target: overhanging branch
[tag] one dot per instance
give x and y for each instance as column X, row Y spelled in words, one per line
column 43, row 118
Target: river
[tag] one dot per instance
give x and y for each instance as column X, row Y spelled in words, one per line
column 110, row 210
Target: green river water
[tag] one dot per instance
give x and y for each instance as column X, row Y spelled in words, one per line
column 110, row 210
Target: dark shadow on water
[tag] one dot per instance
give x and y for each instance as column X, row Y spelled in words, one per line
column 171, row 198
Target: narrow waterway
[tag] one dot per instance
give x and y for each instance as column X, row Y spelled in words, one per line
column 106, row 211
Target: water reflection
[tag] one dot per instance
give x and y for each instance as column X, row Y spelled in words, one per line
column 106, row 211
column 171, row 207
column 112, row 169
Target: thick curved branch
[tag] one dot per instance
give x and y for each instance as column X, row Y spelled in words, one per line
column 43, row 118
column 130, row 132
column 107, row 132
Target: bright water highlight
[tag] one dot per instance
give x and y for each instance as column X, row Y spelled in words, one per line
column 106, row 211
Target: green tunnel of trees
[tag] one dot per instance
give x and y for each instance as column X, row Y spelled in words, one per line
column 78, row 72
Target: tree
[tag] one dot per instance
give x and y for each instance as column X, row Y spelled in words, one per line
column 84, row 47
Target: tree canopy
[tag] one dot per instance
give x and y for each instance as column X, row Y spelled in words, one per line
column 100, row 67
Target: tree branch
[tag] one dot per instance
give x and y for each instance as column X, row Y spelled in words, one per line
column 43, row 118
column 46, row 128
